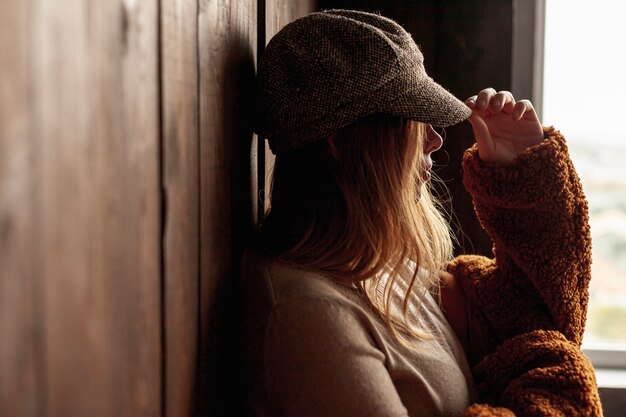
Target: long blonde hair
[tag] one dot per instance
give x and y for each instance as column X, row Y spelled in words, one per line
column 355, row 207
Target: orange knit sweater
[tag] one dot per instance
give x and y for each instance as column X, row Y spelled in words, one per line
column 529, row 303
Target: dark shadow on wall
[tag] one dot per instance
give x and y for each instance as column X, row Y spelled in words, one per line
column 219, row 389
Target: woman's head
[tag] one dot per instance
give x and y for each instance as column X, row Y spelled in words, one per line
column 359, row 202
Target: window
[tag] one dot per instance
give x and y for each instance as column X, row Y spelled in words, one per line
column 584, row 96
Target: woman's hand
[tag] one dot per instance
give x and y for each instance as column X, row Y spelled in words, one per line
column 503, row 128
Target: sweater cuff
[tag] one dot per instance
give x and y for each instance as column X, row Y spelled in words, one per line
column 535, row 177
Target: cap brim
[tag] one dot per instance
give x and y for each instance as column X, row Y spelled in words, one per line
column 430, row 103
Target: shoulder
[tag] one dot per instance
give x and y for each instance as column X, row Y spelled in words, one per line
column 298, row 305
column 284, row 285
column 285, row 300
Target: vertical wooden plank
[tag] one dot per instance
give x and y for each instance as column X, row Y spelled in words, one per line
column 281, row 12
column 278, row 14
column 92, row 201
column 179, row 84
column 227, row 45
column 20, row 332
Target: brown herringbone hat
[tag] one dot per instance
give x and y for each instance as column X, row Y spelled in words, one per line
column 331, row 68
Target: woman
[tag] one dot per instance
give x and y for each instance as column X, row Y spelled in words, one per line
column 349, row 308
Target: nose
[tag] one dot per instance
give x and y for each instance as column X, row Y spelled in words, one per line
column 433, row 140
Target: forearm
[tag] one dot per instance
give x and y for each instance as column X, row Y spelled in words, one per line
column 535, row 212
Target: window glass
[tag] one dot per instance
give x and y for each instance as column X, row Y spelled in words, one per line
column 585, row 97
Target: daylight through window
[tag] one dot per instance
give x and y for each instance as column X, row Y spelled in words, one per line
column 584, row 96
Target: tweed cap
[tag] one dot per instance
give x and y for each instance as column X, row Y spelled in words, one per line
column 332, row 68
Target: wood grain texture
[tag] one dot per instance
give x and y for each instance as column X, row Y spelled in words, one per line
column 97, row 125
column 281, row 12
column 179, row 93
column 21, row 356
column 79, row 210
column 227, row 51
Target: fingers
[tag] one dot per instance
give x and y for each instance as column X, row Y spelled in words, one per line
column 502, row 126
column 483, row 137
column 524, row 109
column 508, row 104
column 484, row 97
column 471, row 102
column 490, row 101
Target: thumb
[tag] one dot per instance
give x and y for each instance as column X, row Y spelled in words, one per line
column 482, row 136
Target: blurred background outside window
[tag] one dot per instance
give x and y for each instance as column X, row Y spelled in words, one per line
column 585, row 97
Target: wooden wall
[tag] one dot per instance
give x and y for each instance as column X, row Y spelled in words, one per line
column 128, row 185
column 80, row 283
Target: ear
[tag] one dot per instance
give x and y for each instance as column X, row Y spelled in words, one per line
column 332, row 146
